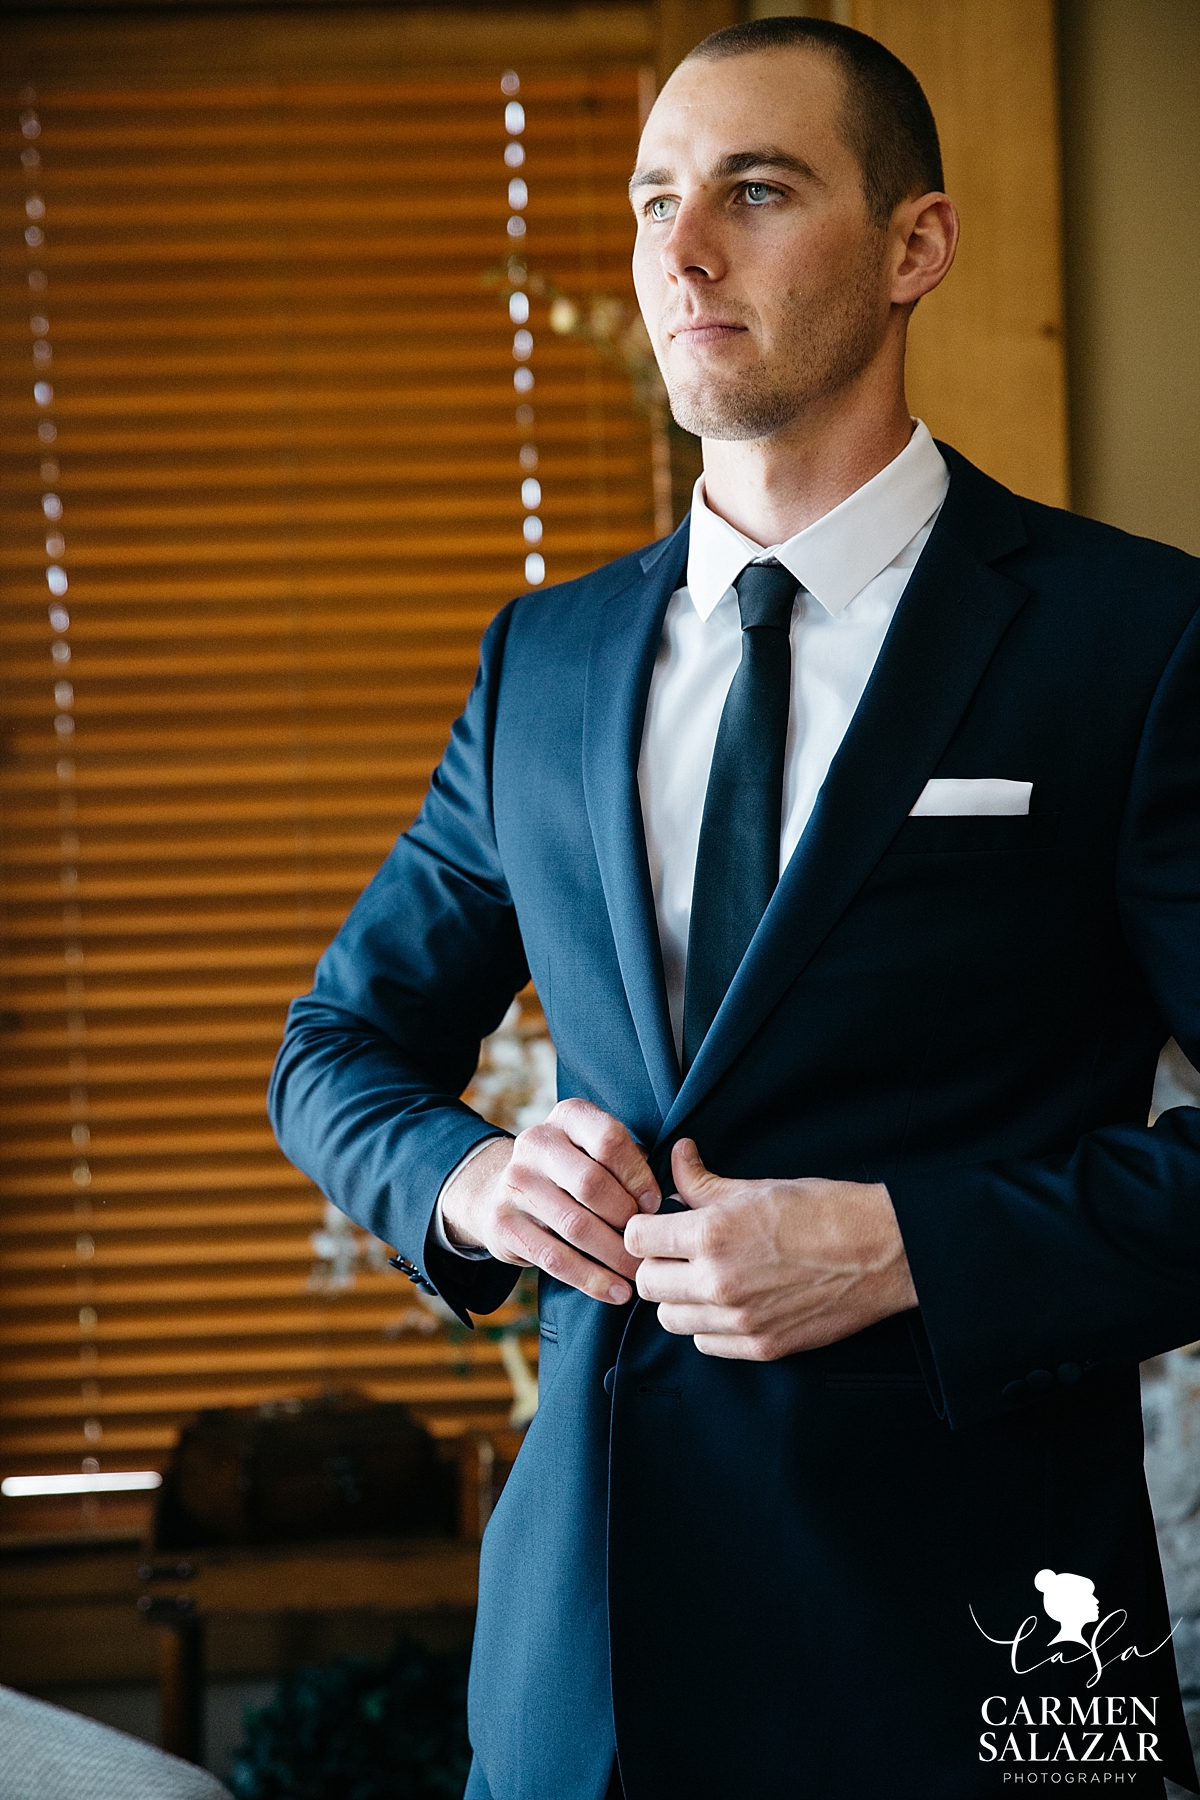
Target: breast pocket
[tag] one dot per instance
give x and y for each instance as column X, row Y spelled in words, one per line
column 975, row 833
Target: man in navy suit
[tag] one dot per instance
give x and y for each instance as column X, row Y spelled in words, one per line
column 850, row 837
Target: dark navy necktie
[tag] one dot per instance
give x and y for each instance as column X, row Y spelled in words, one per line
column 737, row 865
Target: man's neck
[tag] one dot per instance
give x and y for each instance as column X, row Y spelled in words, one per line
column 771, row 488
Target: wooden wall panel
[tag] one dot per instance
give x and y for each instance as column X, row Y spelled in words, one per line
column 1131, row 83
column 681, row 24
column 986, row 363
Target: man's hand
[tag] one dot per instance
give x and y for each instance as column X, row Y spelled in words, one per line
column 758, row 1269
column 557, row 1198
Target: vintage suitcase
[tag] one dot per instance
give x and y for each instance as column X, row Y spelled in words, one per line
column 302, row 1472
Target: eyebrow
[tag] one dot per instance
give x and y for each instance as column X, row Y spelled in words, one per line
column 738, row 162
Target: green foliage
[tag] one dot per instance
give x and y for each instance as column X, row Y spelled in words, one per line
column 358, row 1730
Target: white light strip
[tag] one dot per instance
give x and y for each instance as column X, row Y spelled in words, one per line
column 22, row 1487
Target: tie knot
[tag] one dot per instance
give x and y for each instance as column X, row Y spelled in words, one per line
column 765, row 594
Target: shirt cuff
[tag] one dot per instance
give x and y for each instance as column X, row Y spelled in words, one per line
column 476, row 1253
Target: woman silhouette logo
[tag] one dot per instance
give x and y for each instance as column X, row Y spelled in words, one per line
column 1070, row 1600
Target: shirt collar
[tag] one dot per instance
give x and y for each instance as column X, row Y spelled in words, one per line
column 837, row 556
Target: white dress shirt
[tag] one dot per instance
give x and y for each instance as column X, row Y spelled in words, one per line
column 852, row 565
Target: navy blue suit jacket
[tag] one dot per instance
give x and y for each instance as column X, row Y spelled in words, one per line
column 783, row 1559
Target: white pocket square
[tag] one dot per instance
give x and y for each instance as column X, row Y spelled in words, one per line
column 942, row 798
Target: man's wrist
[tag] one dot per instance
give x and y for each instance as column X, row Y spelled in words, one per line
column 901, row 1282
column 470, row 1178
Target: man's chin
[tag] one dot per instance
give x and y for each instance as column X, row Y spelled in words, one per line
column 728, row 414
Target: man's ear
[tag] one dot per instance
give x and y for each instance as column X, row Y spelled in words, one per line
column 926, row 233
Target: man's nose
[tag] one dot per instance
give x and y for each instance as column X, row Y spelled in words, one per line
column 693, row 251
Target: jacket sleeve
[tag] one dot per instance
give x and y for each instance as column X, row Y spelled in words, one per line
column 364, row 1096
column 1031, row 1273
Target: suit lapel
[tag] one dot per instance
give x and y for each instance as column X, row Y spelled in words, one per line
column 620, row 665
column 946, row 629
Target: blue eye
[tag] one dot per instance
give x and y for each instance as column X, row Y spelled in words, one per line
column 757, row 192
column 660, row 209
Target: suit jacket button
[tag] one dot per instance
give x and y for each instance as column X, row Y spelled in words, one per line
column 1040, row 1378
column 1069, row 1373
column 610, row 1381
column 1016, row 1393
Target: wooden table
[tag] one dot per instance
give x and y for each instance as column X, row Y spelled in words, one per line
column 180, row 1592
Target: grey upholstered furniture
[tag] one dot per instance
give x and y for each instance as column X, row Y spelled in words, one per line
column 49, row 1754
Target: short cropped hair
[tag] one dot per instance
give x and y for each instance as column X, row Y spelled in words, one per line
column 886, row 120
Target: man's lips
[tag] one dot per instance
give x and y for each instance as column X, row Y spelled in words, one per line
column 696, row 332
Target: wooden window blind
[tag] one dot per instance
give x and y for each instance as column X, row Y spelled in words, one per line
column 256, row 514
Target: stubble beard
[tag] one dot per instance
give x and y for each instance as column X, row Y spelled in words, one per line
column 829, row 339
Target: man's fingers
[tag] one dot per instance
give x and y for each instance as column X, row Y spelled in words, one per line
column 561, row 1202
column 675, row 1234
column 662, row 1278
column 737, row 1349
column 694, row 1183
column 608, row 1143
column 721, row 1332
column 541, row 1198
column 540, row 1249
column 695, row 1319
column 545, row 1156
